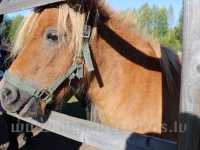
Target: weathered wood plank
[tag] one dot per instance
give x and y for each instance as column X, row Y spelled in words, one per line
column 8, row 6
column 97, row 135
column 190, row 99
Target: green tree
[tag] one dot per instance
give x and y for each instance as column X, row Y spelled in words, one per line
column 5, row 29
column 145, row 18
column 14, row 26
column 153, row 20
column 170, row 40
column 158, row 22
column 9, row 28
column 179, row 28
column 161, row 23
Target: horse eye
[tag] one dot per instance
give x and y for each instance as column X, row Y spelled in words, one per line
column 52, row 36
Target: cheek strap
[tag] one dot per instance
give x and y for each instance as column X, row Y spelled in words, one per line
column 45, row 95
column 75, row 71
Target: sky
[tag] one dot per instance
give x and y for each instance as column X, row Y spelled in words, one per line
column 130, row 4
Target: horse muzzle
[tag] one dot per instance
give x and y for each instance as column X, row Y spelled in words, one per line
column 16, row 101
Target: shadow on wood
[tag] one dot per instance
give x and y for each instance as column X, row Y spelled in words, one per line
column 189, row 132
column 51, row 141
column 140, row 142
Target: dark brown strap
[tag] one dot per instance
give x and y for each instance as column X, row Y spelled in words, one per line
column 1, row 18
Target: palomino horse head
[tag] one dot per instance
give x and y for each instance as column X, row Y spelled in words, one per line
column 49, row 56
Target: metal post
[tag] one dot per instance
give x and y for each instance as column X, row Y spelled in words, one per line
column 190, row 98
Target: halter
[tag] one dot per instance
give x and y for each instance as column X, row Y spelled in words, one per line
column 76, row 71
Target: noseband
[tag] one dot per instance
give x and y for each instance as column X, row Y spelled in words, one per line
column 76, row 71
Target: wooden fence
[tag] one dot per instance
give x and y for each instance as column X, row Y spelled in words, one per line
column 190, row 105
column 8, row 6
column 111, row 139
column 97, row 135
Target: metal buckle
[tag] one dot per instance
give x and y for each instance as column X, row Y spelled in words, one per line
column 87, row 32
column 45, row 95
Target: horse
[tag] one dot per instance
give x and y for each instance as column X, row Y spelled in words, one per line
column 84, row 48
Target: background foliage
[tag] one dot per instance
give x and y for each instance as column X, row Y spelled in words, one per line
column 9, row 28
column 157, row 22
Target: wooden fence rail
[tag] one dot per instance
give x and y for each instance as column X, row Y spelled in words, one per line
column 97, row 135
column 8, row 6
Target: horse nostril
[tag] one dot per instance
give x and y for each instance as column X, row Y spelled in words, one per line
column 7, row 92
column 9, row 95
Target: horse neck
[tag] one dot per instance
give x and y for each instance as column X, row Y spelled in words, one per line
column 107, row 48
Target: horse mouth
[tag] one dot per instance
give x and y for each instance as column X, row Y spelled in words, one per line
column 14, row 100
column 25, row 108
